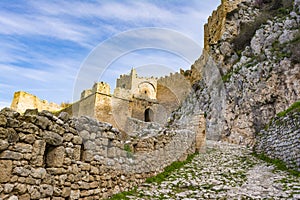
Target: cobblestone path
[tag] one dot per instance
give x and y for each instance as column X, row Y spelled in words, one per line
column 225, row 171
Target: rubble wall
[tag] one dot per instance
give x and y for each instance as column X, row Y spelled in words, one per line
column 44, row 156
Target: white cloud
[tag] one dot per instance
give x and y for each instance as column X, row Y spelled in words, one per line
column 50, row 69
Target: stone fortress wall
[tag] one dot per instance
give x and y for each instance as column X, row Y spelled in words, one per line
column 281, row 140
column 216, row 25
column 23, row 100
column 135, row 97
column 172, row 90
column 44, row 156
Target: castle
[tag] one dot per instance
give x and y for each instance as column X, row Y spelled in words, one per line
column 146, row 99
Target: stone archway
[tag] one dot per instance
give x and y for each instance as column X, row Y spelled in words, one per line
column 149, row 115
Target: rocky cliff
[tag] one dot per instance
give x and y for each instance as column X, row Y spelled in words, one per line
column 250, row 72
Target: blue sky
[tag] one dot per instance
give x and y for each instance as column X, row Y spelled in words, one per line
column 45, row 44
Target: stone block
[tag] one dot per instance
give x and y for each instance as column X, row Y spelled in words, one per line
column 46, row 190
column 77, row 140
column 55, row 157
column 85, row 135
column 111, row 152
column 64, row 116
column 76, row 152
column 87, row 155
column 53, row 138
column 21, row 171
column 23, row 148
column 68, row 137
column 43, row 122
column 75, row 194
column 57, row 129
column 39, row 147
column 39, row 173
column 12, row 136
column 11, row 155
column 24, row 197
column 84, row 185
column 94, row 170
column 3, row 145
column 13, row 197
column 34, row 192
column 20, row 188
column 13, row 123
column 3, row 121
column 8, row 188
column 3, row 133
column 6, row 170
column 85, row 166
column 66, row 192
column 28, row 138
column 89, row 145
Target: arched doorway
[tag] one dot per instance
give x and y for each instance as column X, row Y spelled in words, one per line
column 149, row 115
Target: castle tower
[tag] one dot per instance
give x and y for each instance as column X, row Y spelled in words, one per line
column 139, row 87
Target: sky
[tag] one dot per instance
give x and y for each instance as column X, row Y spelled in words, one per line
column 54, row 49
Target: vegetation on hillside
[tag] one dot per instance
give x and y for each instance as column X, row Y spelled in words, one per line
column 269, row 9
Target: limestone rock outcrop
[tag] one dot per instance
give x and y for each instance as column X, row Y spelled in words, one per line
column 241, row 89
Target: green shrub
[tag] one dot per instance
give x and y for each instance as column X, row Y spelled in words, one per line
column 269, row 9
column 247, row 31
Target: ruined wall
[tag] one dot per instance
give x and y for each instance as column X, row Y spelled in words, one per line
column 124, row 81
column 138, row 108
column 281, row 140
column 215, row 27
column 86, row 106
column 23, row 100
column 44, row 156
column 86, row 93
column 95, row 102
column 172, row 90
column 138, row 128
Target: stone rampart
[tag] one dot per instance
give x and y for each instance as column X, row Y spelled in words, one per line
column 281, row 140
column 215, row 26
column 173, row 89
column 23, row 100
column 44, row 156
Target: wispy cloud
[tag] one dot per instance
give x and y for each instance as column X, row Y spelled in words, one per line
column 43, row 43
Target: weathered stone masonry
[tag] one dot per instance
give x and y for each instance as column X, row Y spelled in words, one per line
column 281, row 140
column 47, row 157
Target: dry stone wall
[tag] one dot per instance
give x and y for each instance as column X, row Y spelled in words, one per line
column 47, row 157
column 281, row 140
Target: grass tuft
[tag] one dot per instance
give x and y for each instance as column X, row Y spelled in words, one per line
column 169, row 169
column 280, row 165
column 294, row 107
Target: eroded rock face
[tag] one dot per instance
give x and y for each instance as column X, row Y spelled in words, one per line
column 263, row 81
